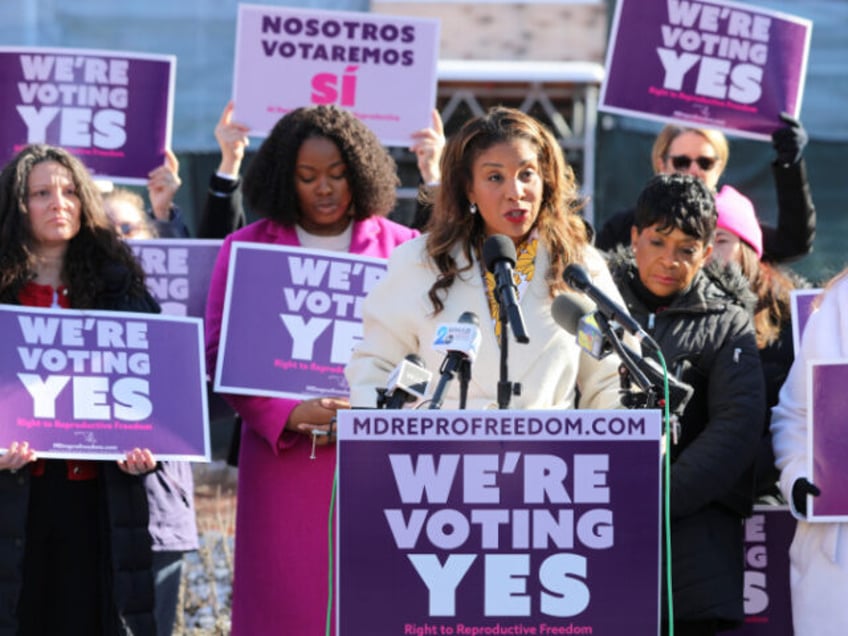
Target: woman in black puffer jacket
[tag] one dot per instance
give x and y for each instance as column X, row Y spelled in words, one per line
column 701, row 319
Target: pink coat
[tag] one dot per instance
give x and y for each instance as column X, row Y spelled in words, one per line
column 283, row 505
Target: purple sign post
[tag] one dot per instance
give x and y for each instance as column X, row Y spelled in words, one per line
column 291, row 319
column 768, row 609
column 177, row 272
column 113, row 109
column 498, row 522
column 95, row 384
column 381, row 68
column 706, row 63
column 827, row 445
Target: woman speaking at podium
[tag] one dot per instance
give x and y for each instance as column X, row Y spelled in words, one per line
column 503, row 175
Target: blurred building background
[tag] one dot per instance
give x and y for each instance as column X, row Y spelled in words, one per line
column 610, row 153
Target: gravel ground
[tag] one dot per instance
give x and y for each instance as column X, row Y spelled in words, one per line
column 206, row 591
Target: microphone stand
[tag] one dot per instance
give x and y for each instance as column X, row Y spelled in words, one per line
column 382, row 398
column 506, row 389
column 631, row 369
column 464, row 373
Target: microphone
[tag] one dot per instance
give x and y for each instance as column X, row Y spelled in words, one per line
column 577, row 278
column 576, row 315
column 499, row 256
column 407, row 383
column 460, row 341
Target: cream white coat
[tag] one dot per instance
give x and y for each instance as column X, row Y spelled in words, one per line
column 398, row 320
column 819, row 552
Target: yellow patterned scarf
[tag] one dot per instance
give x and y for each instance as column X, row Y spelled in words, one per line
column 523, row 273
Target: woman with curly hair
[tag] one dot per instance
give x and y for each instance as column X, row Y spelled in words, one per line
column 75, row 554
column 502, row 174
column 322, row 180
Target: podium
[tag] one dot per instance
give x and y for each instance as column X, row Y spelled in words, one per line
column 498, row 522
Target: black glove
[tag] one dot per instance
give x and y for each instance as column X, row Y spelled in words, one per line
column 789, row 140
column 800, row 489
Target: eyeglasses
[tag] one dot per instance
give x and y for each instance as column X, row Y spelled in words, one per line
column 682, row 162
column 126, row 229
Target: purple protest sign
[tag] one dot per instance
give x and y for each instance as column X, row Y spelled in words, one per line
column 381, row 68
column 706, row 63
column 291, row 318
column 827, row 444
column 177, row 272
column 768, row 609
column 95, row 384
column 527, row 522
column 801, row 301
column 113, row 109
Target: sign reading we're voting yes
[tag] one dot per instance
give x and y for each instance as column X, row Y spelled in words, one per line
column 291, row 318
column 768, row 608
column 710, row 63
column 95, row 384
column 498, row 522
column 381, row 68
column 113, row 109
column 177, row 272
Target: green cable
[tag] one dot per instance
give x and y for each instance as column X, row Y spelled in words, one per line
column 667, row 495
column 330, row 555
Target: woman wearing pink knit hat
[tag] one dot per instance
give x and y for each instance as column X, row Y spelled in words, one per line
column 739, row 240
column 737, row 223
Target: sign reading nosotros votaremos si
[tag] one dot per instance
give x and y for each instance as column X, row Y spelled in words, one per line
column 526, row 522
column 706, row 63
column 95, row 384
column 113, row 109
column 381, row 68
column 291, row 318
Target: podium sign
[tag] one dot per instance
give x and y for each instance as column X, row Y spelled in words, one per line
column 498, row 522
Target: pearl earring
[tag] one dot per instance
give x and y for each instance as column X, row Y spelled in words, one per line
column 473, row 208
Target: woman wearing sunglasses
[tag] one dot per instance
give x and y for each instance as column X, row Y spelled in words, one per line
column 703, row 153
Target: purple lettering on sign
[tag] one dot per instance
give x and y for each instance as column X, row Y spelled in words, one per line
column 335, row 57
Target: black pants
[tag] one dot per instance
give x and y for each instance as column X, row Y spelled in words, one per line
column 61, row 593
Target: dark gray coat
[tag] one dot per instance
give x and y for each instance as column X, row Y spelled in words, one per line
column 129, row 608
column 708, row 341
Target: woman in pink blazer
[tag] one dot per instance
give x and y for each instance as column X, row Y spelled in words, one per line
column 322, row 180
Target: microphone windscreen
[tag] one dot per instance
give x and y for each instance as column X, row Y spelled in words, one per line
column 567, row 309
column 498, row 248
column 576, row 277
column 415, row 359
column 469, row 318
